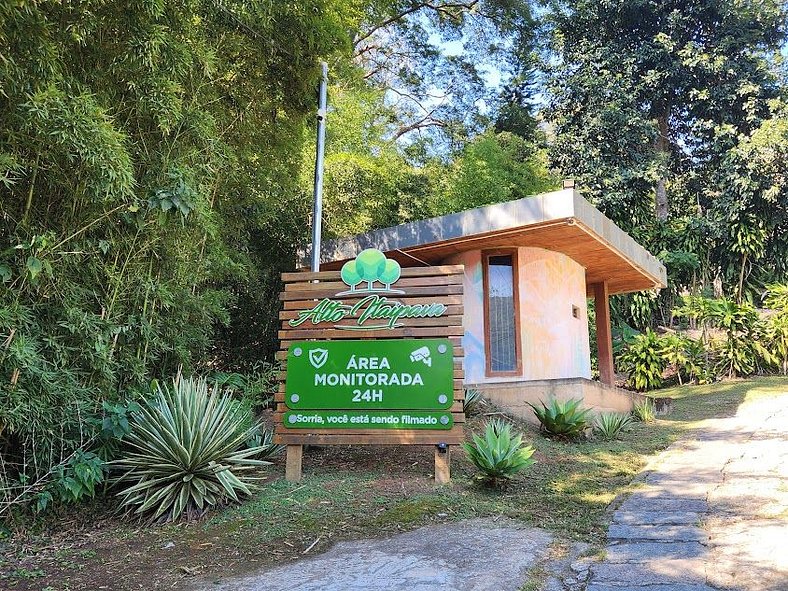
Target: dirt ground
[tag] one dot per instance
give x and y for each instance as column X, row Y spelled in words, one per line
column 350, row 493
column 98, row 549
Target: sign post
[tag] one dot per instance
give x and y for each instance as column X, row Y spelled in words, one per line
column 372, row 356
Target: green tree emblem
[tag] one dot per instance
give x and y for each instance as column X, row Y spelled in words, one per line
column 391, row 273
column 350, row 275
column 371, row 265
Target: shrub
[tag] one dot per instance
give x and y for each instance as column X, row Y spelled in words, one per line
column 644, row 410
column 185, row 452
column 499, row 455
column 689, row 357
column 740, row 354
column 257, row 386
column 609, row 425
column 642, row 360
column 263, row 439
column 473, row 400
column 562, row 418
column 776, row 330
column 745, row 349
column 699, row 361
column 72, row 481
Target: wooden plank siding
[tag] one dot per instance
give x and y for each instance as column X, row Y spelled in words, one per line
column 422, row 285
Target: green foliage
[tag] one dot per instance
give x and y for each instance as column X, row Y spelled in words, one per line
column 776, row 327
column 644, row 410
column 150, row 156
column 609, row 425
column 735, row 340
column 750, row 210
column 562, row 419
column 742, row 351
column 186, row 452
column 256, row 386
column 374, row 183
column 686, row 355
column 471, row 404
column 499, row 455
column 496, row 167
column 643, row 361
column 263, row 440
column 72, row 481
column 115, row 424
column 678, row 137
column 738, row 356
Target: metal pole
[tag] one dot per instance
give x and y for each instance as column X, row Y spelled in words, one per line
column 317, row 207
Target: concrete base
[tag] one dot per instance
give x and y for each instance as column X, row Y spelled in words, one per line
column 515, row 396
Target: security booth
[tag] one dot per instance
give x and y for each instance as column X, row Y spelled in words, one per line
column 530, row 268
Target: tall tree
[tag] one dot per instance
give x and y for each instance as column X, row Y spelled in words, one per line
column 433, row 59
column 650, row 94
column 750, row 212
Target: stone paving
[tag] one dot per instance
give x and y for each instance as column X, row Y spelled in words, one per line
column 474, row 555
column 712, row 514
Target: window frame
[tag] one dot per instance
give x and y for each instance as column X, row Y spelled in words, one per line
column 518, row 370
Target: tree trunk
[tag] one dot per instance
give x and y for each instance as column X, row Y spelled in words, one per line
column 741, row 278
column 661, row 145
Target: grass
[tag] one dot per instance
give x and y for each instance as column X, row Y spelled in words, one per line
column 358, row 492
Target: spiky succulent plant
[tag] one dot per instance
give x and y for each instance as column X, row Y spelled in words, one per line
column 610, row 425
column 562, row 418
column 186, row 452
column 498, row 455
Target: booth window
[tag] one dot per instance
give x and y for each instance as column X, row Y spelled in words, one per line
column 501, row 313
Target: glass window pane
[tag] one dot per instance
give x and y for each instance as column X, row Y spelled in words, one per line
column 500, row 306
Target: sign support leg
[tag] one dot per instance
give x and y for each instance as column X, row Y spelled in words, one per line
column 295, row 454
column 442, row 461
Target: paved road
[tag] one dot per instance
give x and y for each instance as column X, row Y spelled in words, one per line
column 713, row 513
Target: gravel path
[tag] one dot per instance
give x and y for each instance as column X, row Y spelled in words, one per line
column 713, row 513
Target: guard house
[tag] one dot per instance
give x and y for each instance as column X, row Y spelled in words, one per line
column 531, row 266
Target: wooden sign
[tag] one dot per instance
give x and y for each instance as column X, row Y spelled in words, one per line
column 376, row 358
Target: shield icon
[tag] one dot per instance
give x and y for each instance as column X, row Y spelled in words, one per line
column 318, row 357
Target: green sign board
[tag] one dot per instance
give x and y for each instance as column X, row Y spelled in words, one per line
column 353, row 419
column 370, row 275
column 413, row 374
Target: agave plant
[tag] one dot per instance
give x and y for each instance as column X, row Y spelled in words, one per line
column 644, row 410
column 263, row 439
column 564, row 419
column 609, row 425
column 186, row 451
column 499, row 455
column 473, row 400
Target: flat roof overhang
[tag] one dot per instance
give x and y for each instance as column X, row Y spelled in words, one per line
column 561, row 221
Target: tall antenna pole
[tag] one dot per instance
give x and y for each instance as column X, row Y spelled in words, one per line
column 317, row 207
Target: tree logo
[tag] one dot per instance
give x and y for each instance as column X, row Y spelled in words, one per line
column 371, row 266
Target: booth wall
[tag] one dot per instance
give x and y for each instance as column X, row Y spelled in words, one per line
column 554, row 342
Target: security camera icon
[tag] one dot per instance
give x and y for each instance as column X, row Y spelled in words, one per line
column 422, row 354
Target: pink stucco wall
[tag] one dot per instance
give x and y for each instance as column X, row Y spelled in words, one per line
column 554, row 342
